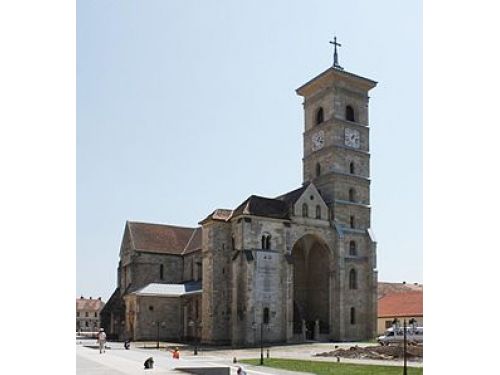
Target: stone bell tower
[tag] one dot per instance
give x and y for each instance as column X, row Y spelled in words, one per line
column 336, row 143
column 337, row 160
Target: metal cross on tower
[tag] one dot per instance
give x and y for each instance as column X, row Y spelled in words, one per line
column 335, row 55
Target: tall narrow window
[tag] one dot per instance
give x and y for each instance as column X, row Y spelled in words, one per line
column 353, row 279
column 265, row 315
column 353, row 315
column 318, row 169
column 319, row 116
column 351, row 167
column 352, row 222
column 352, row 195
column 349, row 113
column 305, row 212
column 161, row 271
column 352, row 248
column 318, row 212
column 266, row 242
column 232, row 243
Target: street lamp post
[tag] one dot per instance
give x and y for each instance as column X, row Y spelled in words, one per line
column 158, row 332
column 405, row 369
column 194, row 324
column 261, row 343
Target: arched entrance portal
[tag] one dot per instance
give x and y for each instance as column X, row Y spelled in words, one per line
column 311, row 286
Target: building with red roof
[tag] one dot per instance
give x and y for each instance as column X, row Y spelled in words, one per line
column 88, row 314
column 400, row 305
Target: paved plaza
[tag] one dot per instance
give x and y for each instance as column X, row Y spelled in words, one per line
column 118, row 361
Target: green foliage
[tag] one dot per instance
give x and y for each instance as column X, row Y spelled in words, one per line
column 333, row 368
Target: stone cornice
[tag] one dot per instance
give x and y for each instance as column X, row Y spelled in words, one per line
column 340, row 201
column 331, row 122
column 331, row 147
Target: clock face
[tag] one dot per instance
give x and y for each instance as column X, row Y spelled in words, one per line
column 318, row 140
column 351, row 138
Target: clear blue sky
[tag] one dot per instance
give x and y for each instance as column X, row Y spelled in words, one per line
column 188, row 106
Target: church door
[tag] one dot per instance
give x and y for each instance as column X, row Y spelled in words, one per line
column 311, row 285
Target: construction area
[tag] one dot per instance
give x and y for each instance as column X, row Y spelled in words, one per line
column 391, row 352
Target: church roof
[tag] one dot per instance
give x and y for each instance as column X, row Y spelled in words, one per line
column 292, row 196
column 219, row 214
column 170, row 290
column 261, row 206
column 194, row 242
column 164, row 239
column 328, row 76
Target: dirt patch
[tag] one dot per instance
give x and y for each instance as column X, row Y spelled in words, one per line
column 413, row 352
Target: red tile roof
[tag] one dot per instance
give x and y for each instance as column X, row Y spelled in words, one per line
column 401, row 304
column 86, row 304
column 165, row 239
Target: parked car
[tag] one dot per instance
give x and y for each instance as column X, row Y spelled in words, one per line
column 391, row 336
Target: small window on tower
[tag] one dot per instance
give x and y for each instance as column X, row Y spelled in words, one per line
column 319, row 116
column 353, row 315
column 352, row 222
column 352, row 195
column 161, row 271
column 263, row 242
column 318, row 212
column 351, row 167
column 268, row 242
column 318, row 169
column 353, row 279
column 352, row 248
column 265, row 317
column 305, row 212
column 349, row 113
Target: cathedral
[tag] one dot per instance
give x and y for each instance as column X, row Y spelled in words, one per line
column 296, row 267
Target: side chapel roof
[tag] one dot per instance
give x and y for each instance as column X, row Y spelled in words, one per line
column 278, row 208
column 164, row 239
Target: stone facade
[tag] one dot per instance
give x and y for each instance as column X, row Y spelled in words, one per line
column 290, row 268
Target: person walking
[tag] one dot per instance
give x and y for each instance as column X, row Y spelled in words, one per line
column 101, row 339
